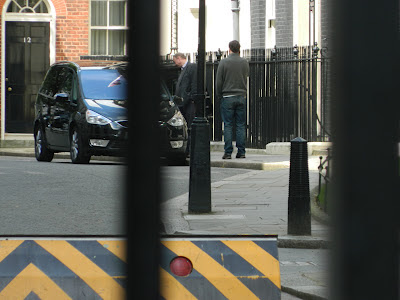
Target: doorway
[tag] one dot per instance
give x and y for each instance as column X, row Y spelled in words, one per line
column 27, row 60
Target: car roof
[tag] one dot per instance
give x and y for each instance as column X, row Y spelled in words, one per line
column 92, row 68
column 85, row 66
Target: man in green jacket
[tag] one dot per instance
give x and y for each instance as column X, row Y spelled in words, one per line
column 232, row 88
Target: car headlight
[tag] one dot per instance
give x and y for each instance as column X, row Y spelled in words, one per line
column 177, row 119
column 95, row 118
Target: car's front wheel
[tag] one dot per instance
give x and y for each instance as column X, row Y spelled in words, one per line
column 77, row 149
column 42, row 153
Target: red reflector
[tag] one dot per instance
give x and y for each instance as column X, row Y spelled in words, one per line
column 181, row 266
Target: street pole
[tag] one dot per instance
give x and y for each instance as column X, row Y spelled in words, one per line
column 200, row 175
column 366, row 181
column 142, row 218
column 235, row 14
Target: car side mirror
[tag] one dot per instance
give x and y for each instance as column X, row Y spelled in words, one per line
column 61, row 97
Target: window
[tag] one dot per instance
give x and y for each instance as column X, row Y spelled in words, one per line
column 27, row 6
column 66, row 77
column 108, row 27
column 68, row 84
column 49, row 87
column 104, row 84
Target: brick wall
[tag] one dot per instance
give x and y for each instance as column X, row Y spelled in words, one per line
column 326, row 28
column 73, row 30
column 258, row 20
column 326, row 52
column 284, row 23
column 72, row 25
column 72, row 33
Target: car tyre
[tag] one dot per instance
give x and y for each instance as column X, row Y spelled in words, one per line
column 42, row 153
column 77, row 148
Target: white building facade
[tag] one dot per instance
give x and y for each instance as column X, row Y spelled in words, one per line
column 262, row 24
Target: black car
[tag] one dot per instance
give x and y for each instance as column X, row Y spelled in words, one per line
column 173, row 128
column 83, row 110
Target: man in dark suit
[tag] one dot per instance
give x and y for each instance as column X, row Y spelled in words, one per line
column 186, row 88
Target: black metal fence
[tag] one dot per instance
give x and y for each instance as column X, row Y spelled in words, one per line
column 324, row 168
column 288, row 95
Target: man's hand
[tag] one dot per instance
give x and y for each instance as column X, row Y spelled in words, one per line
column 178, row 100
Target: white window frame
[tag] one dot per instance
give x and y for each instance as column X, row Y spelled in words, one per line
column 108, row 27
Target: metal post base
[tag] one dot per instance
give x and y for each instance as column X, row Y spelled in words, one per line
column 200, row 174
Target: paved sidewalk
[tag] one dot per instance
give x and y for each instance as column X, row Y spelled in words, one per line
column 254, row 203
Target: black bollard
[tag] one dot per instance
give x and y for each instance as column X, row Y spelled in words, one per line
column 299, row 213
column 200, row 174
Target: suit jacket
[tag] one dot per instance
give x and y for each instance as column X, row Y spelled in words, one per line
column 186, row 86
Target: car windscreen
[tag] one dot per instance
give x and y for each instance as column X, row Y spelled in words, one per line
column 164, row 93
column 104, row 84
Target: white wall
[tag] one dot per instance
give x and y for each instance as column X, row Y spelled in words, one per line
column 218, row 25
column 187, row 25
column 301, row 15
column 165, row 26
column 245, row 21
column 270, row 16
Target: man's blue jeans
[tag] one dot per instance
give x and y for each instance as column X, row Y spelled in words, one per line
column 234, row 109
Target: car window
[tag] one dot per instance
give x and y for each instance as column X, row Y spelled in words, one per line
column 74, row 94
column 164, row 94
column 103, row 84
column 66, row 77
column 68, row 83
column 49, row 86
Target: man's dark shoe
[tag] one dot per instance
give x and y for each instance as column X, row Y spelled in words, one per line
column 226, row 156
column 238, row 155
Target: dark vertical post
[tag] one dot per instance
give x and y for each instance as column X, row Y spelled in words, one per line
column 142, row 176
column 200, row 177
column 217, row 102
column 313, row 117
column 299, row 212
column 295, row 106
column 309, row 95
column 366, row 136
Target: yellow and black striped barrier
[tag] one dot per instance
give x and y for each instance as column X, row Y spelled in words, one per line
column 220, row 268
column 62, row 269
column 190, row 268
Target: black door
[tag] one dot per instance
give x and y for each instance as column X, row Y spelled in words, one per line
column 27, row 60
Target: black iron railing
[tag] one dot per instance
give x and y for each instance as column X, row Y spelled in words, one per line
column 325, row 174
column 288, row 95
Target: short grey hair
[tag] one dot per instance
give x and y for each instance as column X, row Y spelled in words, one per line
column 179, row 54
